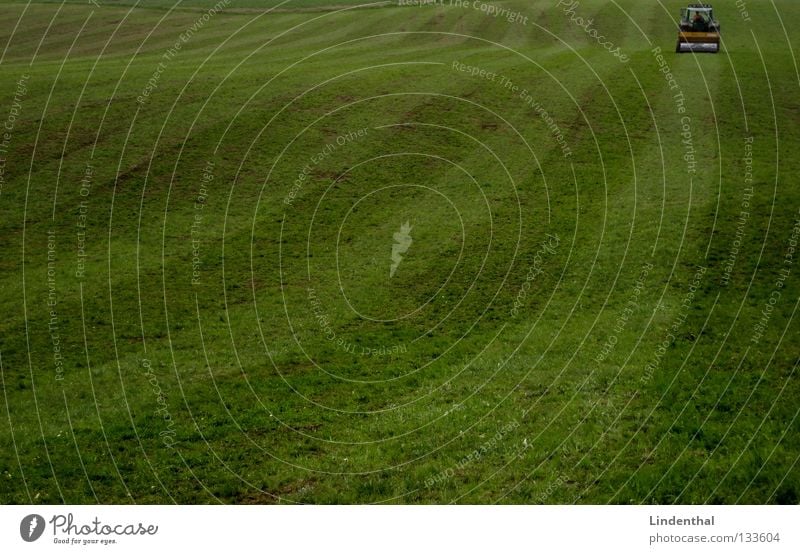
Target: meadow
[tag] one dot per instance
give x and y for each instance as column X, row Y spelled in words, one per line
column 455, row 252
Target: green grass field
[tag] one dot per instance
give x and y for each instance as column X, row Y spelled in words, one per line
column 596, row 301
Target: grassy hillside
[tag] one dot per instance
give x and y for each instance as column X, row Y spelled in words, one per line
column 596, row 300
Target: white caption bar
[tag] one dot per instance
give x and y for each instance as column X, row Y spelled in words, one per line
column 401, row 529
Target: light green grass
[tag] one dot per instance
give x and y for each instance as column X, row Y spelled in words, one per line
column 239, row 356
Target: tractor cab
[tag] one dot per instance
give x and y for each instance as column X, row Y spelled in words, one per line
column 699, row 18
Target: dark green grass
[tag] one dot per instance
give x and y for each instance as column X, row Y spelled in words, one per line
column 201, row 5
column 262, row 406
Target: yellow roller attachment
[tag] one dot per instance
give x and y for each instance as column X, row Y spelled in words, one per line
column 692, row 41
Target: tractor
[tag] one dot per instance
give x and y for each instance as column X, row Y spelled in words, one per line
column 698, row 31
